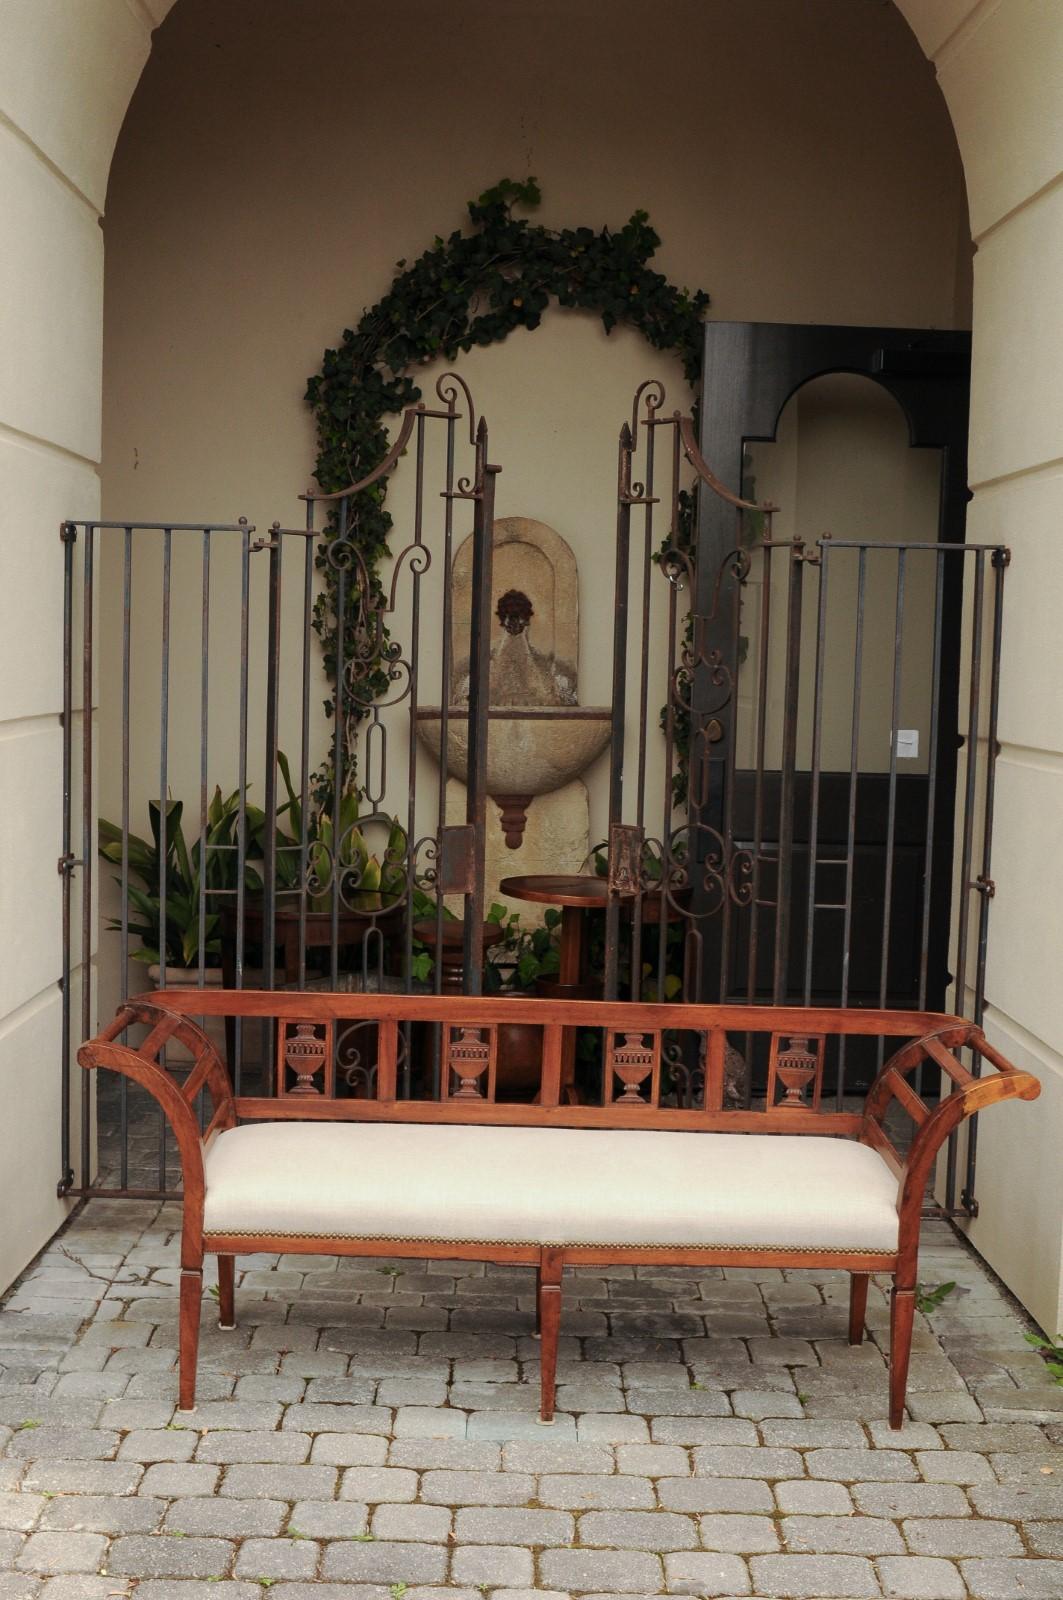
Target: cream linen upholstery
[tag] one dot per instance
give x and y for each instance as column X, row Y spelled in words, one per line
column 494, row 1185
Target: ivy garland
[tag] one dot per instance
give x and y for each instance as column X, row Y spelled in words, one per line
column 473, row 289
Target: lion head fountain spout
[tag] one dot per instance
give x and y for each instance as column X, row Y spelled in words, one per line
column 539, row 738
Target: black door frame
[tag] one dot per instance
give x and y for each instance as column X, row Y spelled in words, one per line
column 751, row 370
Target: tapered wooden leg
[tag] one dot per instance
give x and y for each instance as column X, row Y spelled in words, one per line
column 226, row 1294
column 538, row 1302
column 902, row 1317
column 549, row 1328
column 191, row 1302
column 858, row 1282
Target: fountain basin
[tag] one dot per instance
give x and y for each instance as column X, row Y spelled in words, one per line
column 531, row 750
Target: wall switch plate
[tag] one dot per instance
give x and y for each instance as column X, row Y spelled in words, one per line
column 907, row 744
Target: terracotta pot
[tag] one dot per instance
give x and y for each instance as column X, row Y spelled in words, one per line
column 520, row 1060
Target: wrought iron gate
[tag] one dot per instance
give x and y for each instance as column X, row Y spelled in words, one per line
column 759, row 847
column 793, row 851
column 341, row 870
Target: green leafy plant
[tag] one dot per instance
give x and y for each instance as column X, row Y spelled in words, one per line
column 928, row 1298
column 366, row 883
column 179, row 945
column 1052, row 1351
column 471, row 289
column 525, row 953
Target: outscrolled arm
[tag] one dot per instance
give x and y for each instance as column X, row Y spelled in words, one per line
column 967, row 1095
column 177, row 1100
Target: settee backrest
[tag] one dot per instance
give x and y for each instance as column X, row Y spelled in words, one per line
column 663, row 1065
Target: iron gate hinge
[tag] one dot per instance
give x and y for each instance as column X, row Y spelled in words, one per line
column 65, row 1184
column 68, row 532
column 457, row 859
column 969, row 1203
column 65, row 864
column 986, row 886
column 625, row 858
column 1002, row 557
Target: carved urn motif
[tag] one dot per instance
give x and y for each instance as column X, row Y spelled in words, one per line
column 304, row 1054
column 795, row 1067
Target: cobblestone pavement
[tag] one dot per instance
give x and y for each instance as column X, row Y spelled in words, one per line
column 370, row 1430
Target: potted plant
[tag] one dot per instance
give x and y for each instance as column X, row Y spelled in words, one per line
column 186, row 952
column 366, row 883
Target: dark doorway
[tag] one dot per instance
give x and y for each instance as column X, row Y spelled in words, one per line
column 832, row 769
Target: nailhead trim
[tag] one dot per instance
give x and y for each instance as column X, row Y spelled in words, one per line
column 550, row 1244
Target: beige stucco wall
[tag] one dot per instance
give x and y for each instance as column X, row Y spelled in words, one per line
column 1000, row 66
column 66, row 73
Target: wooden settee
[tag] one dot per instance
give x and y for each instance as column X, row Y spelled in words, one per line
column 636, row 1177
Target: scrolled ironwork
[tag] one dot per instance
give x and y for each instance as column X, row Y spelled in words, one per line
column 359, row 671
column 685, row 1078
column 355, row 1065
column 447, row 386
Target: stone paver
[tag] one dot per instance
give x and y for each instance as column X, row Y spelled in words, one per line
column 370, row 1431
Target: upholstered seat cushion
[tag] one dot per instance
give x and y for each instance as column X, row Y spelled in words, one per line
column 549, row 1186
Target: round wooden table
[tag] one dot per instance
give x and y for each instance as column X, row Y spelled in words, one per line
column 575, row 893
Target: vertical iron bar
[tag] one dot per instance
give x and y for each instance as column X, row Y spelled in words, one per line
column 758, row 781
column 931, row 796
column 87, row 824
column 792, row 691
column 339, row 746
column 817, row 756
column 891, row 812
column 273, row 645
column 970, row 779
column 411, row 758
column 666, row 810
column 850, row 840
column 204, row 685
column 446, row 669
column 758, row 800
column 87, row 831
column 164, row 835
column 127, row 618
column 967, row 848
column 737, row 589
column 241, row 813
column 616, row 747
column 68, row 535
column 304, row 740
column 444, row 724
column 985, row 883
column 479, row 697
column 269, row 873
column 644, row 689
column 204, row 743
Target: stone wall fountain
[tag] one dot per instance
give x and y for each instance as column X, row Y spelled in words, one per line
column 540, row 739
